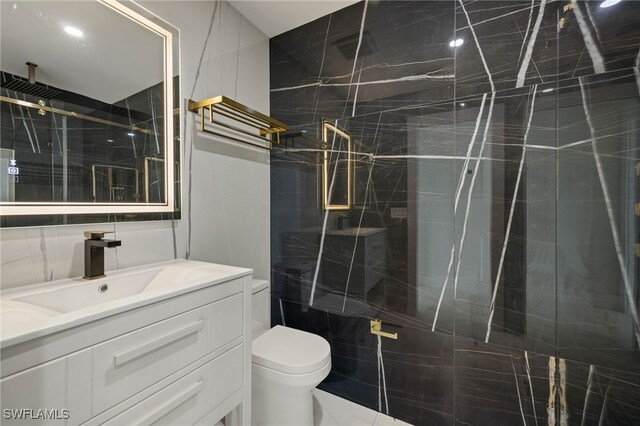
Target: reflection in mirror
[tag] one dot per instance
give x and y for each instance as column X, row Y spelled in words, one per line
column 86, row 111
column 361, row 170
column 337, row 168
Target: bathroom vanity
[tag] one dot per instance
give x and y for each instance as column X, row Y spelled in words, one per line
column 368, row 267
column 168, row 343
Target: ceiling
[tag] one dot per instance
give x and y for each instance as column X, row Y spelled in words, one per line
column 122, row 62
column 274, row 17
column 103, row 64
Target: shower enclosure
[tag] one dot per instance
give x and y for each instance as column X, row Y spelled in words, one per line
column 494, row 220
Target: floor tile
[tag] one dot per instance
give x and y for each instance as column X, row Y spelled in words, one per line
column 331, row 410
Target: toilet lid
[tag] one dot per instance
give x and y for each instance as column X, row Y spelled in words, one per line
column 290, row 351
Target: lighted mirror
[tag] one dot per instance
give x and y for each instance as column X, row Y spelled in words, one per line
column 337, row 168
column 88, row 92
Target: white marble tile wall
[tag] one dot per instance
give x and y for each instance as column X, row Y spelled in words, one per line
column 225, row 185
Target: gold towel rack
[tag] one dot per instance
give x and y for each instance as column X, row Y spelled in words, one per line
column 268, row 128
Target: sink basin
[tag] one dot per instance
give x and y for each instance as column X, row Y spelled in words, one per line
column 48, row 307
column 83, row 294
column 91, row 293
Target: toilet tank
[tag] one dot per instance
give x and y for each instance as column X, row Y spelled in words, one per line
column 260, row 307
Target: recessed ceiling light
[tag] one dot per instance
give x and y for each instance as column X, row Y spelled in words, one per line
column 550, row 89
column 110, row 140
column 462, row 104
column 73, row 31
column 609, row 3
column 130, row 134
column 457, row 42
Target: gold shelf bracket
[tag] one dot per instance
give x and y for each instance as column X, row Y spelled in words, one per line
column 268, row 128
column 376, row 328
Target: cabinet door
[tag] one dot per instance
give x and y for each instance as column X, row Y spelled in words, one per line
column 36, row 396
column 54, row 393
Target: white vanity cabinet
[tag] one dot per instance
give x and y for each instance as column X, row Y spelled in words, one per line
column 178, row 361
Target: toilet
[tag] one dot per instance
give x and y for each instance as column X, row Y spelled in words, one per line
column 287, row 364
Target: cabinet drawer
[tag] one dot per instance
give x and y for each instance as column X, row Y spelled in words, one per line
column 126, row 365
column 188, row 399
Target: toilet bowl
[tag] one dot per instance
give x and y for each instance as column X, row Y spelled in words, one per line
column 287, row 364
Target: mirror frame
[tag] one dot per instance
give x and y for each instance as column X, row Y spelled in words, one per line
column 69, row 208
column 326, row 127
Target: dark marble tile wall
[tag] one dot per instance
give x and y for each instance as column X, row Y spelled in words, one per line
column 492, row 224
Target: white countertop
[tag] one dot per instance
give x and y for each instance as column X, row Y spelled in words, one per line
column 21, row 321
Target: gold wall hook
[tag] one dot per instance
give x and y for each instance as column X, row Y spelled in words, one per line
column 376, row 328
column 568, row 8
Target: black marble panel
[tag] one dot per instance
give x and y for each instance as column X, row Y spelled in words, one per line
column 597, row 293
column 485, row 229
column 500, row 386
column 410, row 378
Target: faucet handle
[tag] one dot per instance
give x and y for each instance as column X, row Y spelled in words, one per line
column 96, row 235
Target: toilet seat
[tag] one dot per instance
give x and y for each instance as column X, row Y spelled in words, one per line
column 291, row 351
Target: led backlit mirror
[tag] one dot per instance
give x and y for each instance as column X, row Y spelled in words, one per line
column 337, row 168
column 88, row 92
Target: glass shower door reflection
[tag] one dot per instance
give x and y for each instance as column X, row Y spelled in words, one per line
column 597, row 226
